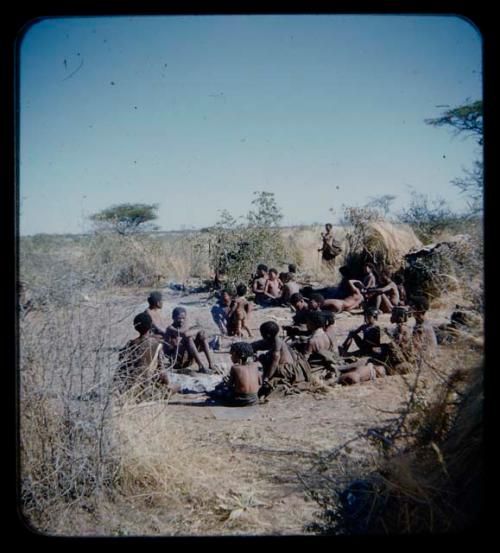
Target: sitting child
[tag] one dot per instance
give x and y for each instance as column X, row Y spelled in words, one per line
column 259, row 284
column 220, row 311
column 241, row 386
column 281, row 364
column 239, row 313
column 399, row 281
column 142, row 362
column 396, row 355
column 272, row 290
column 370, row 342
column 183, row 344
column 290, row 287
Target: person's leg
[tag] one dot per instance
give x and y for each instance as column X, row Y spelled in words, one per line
column 202, row 343
column 193, row 352
column 385, row 304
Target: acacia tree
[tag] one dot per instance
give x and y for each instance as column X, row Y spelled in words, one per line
column 467, row 119
column 126, row 218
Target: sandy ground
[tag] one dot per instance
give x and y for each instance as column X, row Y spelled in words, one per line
column 272, row 443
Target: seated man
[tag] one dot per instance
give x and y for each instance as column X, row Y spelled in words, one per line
column 423, row 335
column 369, row 343
column 183, row 344
column 259, row 284
column 281, row 364
column 241, row 386
column 386, row 296
column 321, row 355
column 298, row 327
column 239, row 313
column 155, row 301
column 142, row 363
column 348, row 303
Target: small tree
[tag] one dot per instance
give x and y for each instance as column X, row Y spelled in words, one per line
column 126, row 218
column 382, row 203
column 236, row 245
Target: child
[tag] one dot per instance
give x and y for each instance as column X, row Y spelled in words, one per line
column 290, row 287
column 423, row 335
column 272, row 290
column 142, row 361
column 400, row 283
column 397, row 354
column 316, row 302
column 370, row 276
column 155, row 301
column 239, row 313
column 371, row 336
column 220, row 311
column 361, row 373
column 183, row 344
column 240, row 388
column 281, row 364
column 259, row 283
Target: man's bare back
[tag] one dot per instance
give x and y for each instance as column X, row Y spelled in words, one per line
column 245, row 379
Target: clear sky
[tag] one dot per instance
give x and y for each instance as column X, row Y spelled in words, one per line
column 197, row 112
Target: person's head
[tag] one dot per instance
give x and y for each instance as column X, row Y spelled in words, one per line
column 419, row 306
column 371, row 315
column 261, row 270
column 385, row 277
column 155, row 300
column 368, row 268
column 298, row 301
column 225, row 297
column 358, row 285
column 241, row 290
column 179, row 315
column 315, row 320
column 399, row 315
column 398, row 279
column 292, row 268
column 328, row 317
column 269, row 330
column 328, row 227
column 284, row 277
column 273, row 274
column 143, row 323
column 345, row 271
column 240, row 352
column 316, row 302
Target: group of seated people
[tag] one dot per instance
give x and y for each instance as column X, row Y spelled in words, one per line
column 292, row 357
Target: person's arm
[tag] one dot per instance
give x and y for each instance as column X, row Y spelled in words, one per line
column 276, row 354
column 232, row 309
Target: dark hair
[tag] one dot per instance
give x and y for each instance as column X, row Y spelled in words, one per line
column 272, row 270
column 243, row 350
column 294, row 298
column 419, row 303
column 269, row 328
column 345, row 271
column 292, row 268
column 154, row 298
column 329, row 225
column 241, row 289
column 398, row 279
column 316, row 319
column 329, row 317
column 318, row 298
column 177, row 311
column 143, row 322
column 284, row 277
column 371, row 312
column 400, row 312
column 262, row 267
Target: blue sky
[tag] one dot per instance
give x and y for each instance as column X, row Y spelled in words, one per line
column 195, row 113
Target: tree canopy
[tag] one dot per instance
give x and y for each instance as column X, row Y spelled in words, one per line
column 126, row 218
column 467, row 118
